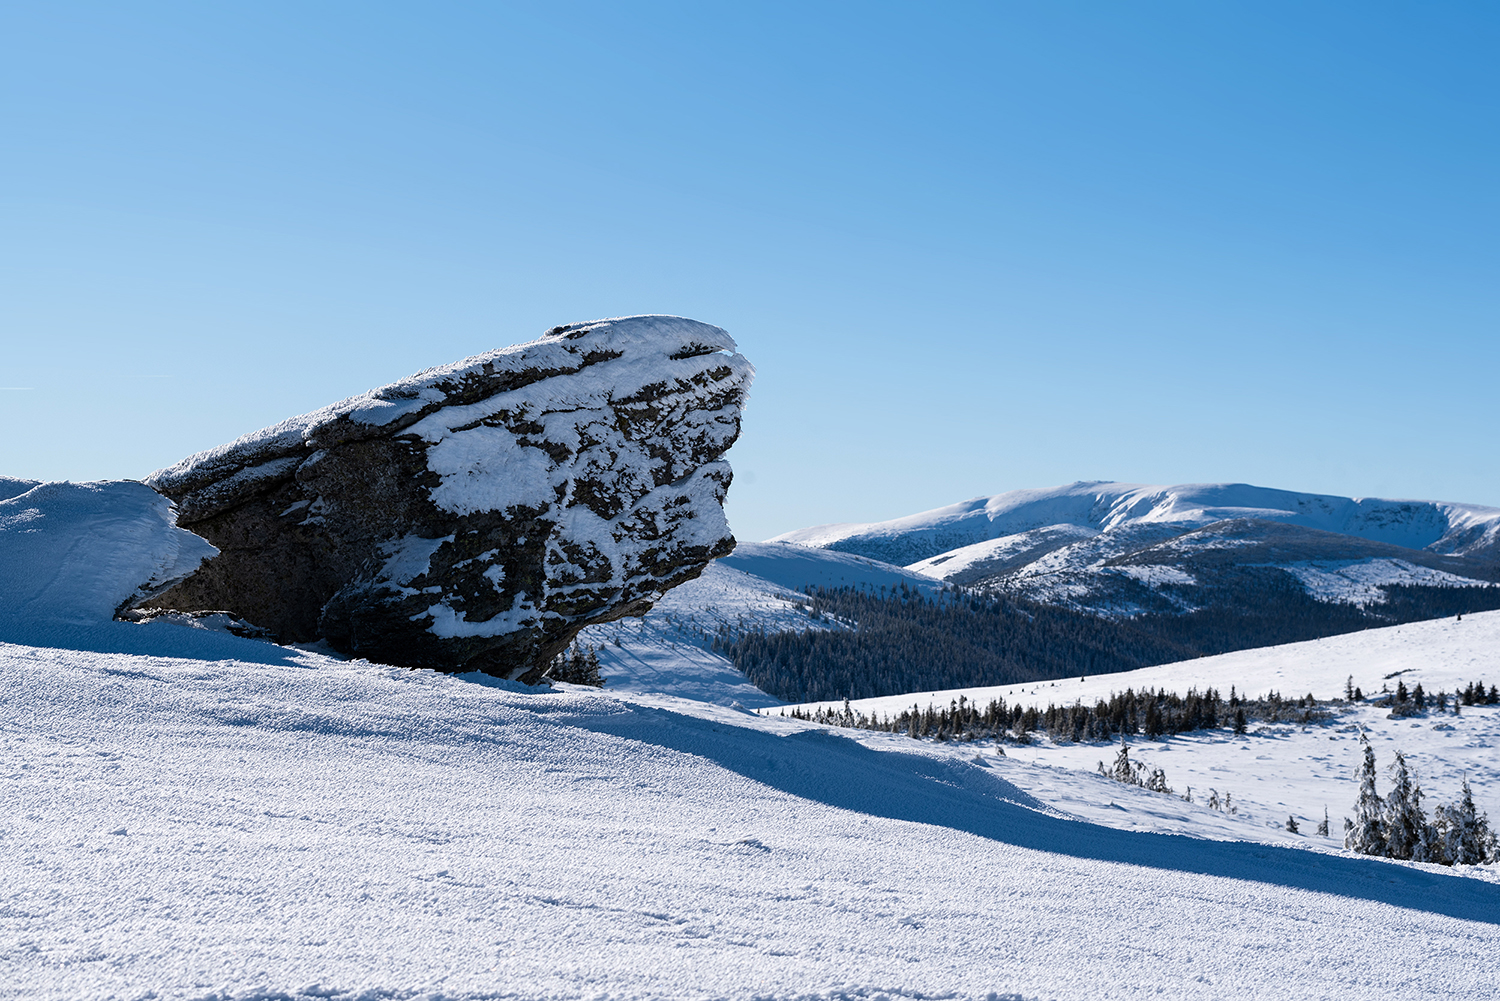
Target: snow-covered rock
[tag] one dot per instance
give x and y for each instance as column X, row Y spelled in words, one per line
column 478, row 515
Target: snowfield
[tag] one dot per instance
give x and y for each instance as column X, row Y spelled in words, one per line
column 292, row 826
column 187, row 814
column 1281, row 769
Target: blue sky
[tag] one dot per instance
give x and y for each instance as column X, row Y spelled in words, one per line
column 969, row 248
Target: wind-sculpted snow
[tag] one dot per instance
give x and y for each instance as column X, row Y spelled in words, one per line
column 74, row 553
column 479, row 514
column 309, row 828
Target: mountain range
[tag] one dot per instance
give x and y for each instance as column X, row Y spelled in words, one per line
column 1122, row 549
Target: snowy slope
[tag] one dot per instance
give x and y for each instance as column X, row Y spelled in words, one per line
column 309, row 828
column 1437, row 526
column 1285, row 769
column 1440, row 653
column 755, row 587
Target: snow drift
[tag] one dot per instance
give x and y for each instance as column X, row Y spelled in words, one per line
column 74, row 553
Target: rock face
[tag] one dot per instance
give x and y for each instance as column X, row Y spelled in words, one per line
column 476, row 516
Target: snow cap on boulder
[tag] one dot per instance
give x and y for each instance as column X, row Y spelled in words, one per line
column 477, row 515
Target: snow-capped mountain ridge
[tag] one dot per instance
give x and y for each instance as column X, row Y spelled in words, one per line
column 1440, row 527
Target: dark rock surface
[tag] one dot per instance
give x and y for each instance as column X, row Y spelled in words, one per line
column 476, row 516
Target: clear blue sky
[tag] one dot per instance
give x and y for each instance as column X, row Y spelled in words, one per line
column 969, row 247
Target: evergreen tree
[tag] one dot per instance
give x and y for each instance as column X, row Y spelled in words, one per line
column 577, row 667
column 1291, row 825
column 1430, row 846
column 1404, row 820
column 1323, row 827
column 1367, row 835
column 1465, row 832
column 1121, row 771
column 1239, row 720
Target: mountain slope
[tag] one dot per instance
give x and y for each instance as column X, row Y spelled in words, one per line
column 1282, row 769
column 1435, row 526
column 1127, row 550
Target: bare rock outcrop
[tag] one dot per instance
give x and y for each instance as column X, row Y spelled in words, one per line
column 476, row 516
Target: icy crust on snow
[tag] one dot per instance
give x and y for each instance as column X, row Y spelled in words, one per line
column 1438, row 526
column 77, row 552
column 311, row 828
column 558, row 352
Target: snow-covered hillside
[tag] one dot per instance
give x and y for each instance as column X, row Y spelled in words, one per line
column 755, row 587
column 290, row 826
column 1436, row 526
column 1123, row 550
column 1281, row 769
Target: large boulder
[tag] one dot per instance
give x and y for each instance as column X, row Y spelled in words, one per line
column 477, row 516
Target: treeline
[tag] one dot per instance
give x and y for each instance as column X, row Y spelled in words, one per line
column 1415, row 701
column 1396, row 826
column 903, row 640
column 1150, row 713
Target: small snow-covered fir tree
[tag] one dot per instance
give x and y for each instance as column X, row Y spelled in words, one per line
column 1367, row 835
column 1465, row 832
column 578, row 666
column 1430, row 846
column 1291, row 825
column 1323, row 827
column 1121, row 770
column 1404, row 820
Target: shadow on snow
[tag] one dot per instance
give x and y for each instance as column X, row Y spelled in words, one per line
column 839, row 771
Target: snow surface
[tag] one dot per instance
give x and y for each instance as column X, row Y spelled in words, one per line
column 305, row 827
column 1359, row 582
column 1439, row 526
column 1279, row 769
column 76, row 552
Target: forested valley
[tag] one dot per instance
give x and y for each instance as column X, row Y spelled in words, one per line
column 903, row 640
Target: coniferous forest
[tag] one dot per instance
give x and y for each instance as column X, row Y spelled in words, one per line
column 903, row 640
